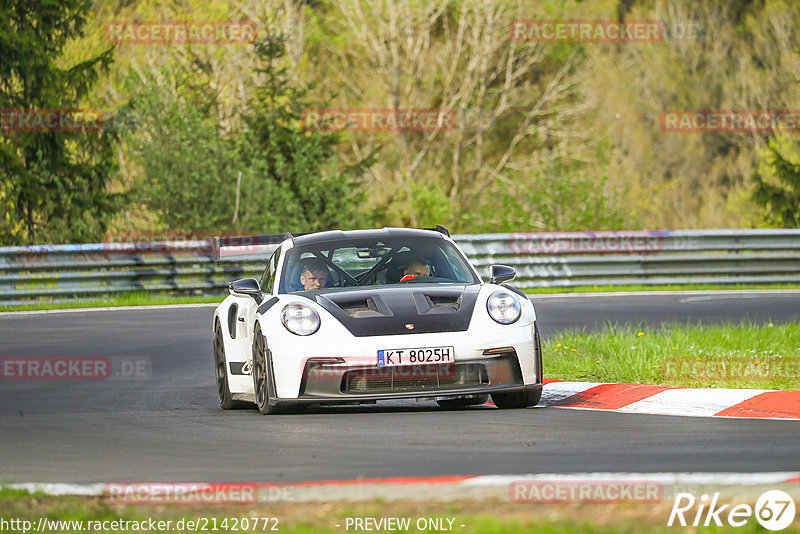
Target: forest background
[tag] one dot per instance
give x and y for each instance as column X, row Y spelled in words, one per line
column 210, row 138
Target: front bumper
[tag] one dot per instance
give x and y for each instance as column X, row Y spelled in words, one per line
column 339, row 381
column 506, row 364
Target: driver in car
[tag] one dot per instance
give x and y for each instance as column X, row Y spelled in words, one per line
column 415, row 269
column 314, row 274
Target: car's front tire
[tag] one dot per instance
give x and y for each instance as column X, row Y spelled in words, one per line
column 523, row 399
column 226, row 401
column 262, row 383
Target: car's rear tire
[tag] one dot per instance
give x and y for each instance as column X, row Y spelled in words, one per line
column 523, row 399
column 262, row 383
column 226, row 401
column 458, row 404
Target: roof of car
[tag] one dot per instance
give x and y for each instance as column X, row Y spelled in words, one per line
column 335, row 235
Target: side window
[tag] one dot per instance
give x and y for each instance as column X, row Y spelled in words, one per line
column 268, row 280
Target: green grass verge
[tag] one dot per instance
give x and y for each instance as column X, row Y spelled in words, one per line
column 741, row 355
column 9, row 493
column 488, row 516
column 630, row 288
column 139, row 298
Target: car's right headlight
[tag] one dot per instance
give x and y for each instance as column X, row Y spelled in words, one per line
column 503, row 307
column 300, row 319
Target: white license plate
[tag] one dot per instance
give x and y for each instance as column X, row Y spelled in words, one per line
column 392, row 357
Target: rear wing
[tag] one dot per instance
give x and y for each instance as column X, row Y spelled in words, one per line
column 439, row 228
column 222, row 247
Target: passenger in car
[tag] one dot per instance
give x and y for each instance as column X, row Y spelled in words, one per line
column 415, row 269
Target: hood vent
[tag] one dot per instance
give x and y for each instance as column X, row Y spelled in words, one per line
column 434, row 304
column 369, row 307
column 445, row 302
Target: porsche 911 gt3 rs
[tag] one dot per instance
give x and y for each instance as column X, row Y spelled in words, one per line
column 353, row 317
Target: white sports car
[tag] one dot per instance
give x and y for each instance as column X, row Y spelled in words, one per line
column 360, row 316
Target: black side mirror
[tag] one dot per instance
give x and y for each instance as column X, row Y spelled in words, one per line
column 246, row 287
column 500, row 274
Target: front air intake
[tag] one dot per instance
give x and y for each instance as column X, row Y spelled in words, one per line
column 417, row 378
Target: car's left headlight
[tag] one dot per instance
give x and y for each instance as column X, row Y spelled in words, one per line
column 300, row 319
column 503, row 307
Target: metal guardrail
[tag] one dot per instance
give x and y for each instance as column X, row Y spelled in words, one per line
column 568, row 259
column 559, row 259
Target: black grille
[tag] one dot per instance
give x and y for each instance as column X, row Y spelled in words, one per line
column 414, row 378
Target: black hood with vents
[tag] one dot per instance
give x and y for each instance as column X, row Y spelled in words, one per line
column 382, row 311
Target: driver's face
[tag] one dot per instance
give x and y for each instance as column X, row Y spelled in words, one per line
column 315, row 280
column 417, row 269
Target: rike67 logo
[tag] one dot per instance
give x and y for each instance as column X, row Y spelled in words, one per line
column 774, row 510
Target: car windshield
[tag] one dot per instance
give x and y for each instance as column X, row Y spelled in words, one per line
column 374, row 262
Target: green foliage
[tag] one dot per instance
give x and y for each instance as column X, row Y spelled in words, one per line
column 54, row 184
column 189, row 165
column 562, row 197
column 430, row 204
column 266, row 174
column 217, row 122
column 777, row 183
column 297, row 182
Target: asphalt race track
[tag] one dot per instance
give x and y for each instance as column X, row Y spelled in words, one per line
column 169, row 427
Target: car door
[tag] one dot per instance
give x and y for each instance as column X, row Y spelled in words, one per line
column 246, row 311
